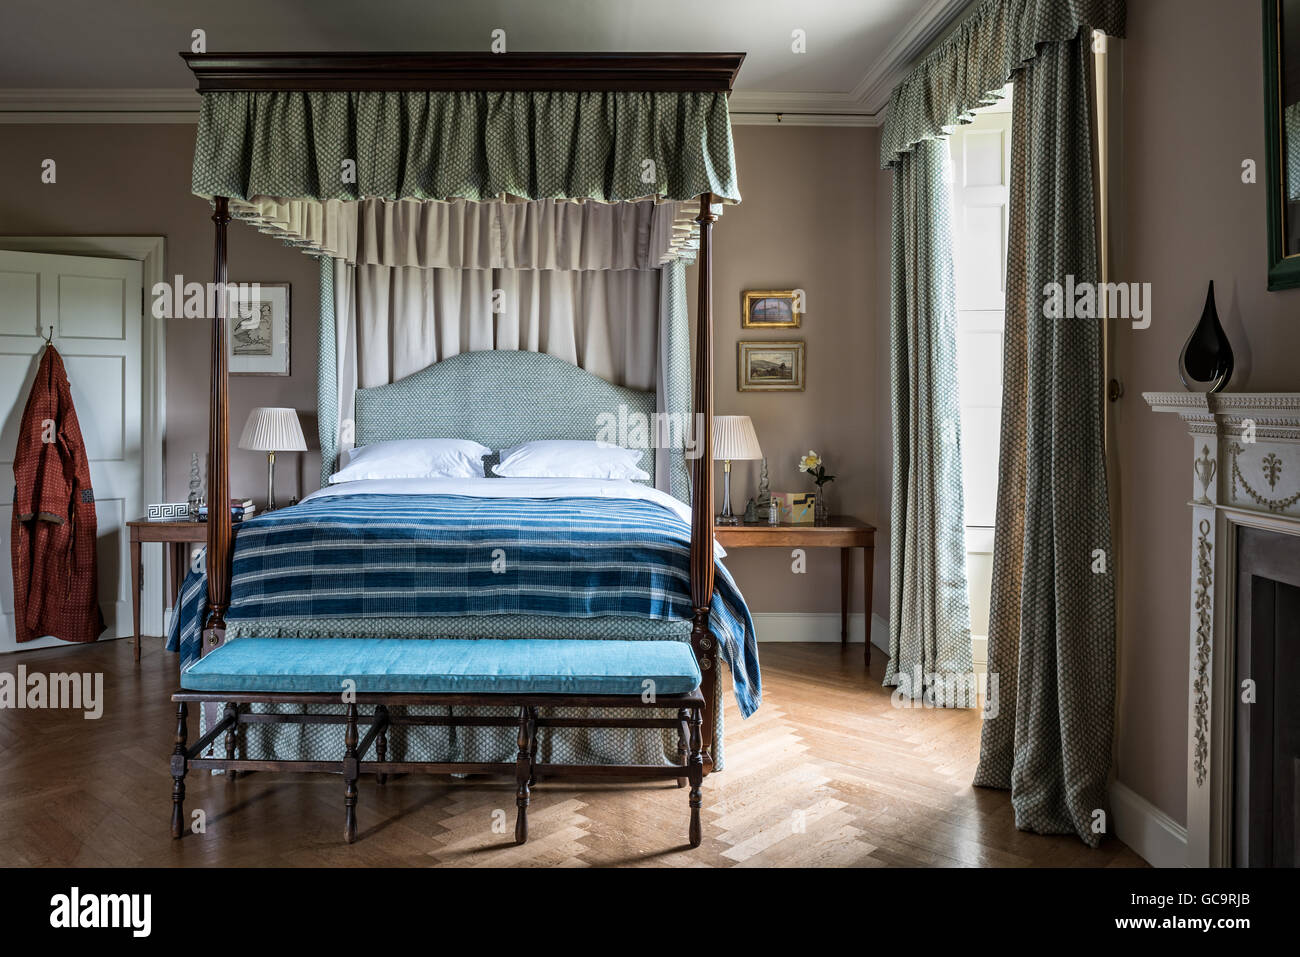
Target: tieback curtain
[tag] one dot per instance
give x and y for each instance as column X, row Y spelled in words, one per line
column 1051, row 631
column 964, row 72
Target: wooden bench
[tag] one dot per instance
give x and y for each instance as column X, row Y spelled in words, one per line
column 524, row 674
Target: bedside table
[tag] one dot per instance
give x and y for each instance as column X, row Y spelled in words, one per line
column 841, row 531
column 175, row 538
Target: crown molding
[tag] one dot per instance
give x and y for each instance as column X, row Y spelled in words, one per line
column 99, row 106
column 864, row 105
column 867, row 102
column 873, row 90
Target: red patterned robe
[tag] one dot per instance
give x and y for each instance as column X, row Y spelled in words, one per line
column 55, row 588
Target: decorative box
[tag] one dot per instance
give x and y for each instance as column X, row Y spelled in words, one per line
column 169, row 512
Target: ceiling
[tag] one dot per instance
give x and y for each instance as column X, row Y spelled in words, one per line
column 74, row 60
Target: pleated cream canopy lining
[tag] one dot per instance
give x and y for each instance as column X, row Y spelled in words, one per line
column 511, row 234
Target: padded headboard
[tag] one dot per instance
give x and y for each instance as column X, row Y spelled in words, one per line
column 500, row 399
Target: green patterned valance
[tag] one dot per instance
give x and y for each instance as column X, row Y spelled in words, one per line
column 979, row 58
column 478, row 146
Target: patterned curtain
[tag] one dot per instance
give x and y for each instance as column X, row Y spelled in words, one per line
column 929, row 612
column 1052, row 621
column 476, row 145
column 969, row 66
column 674, row 376
column 328, row 401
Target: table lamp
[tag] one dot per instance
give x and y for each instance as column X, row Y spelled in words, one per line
column 733, row 438
column 272, row 430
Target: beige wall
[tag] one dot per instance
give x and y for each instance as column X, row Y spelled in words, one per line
column 1194, row 109
column 790, row 231
column 135, row 179
column 805, row 222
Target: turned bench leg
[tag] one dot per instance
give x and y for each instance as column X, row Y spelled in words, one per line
column 179, row 766
column 232, row 712
column 350, row 770
column 683, row 736
column 381, row 742
column 524, row 772
column 532, row 748
column 696, row 773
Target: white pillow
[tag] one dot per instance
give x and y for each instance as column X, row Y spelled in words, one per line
column 414, row 458
column 569, row 458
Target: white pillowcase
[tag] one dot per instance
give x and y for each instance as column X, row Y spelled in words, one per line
column 413, row 458
column 570, row 458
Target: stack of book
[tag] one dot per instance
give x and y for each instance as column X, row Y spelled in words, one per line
column 240, row 509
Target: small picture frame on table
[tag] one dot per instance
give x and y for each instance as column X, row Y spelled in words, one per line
column 796, row 508
column 257, row 338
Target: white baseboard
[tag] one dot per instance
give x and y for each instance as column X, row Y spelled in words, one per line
column 817, row 626
column 1150, row 832
column 825, row 626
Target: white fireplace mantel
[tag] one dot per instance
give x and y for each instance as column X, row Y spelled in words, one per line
column 1245, row 471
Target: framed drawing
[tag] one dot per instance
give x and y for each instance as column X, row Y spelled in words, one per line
column 771, row 308
column 257, row 338
column 770, row 366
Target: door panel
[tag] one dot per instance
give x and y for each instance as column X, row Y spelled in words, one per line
column 95, row 309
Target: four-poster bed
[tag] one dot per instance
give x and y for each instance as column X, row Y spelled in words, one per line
column 293, row 143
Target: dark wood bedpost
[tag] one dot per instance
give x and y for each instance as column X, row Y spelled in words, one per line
column 706, row 651
column 219, row 532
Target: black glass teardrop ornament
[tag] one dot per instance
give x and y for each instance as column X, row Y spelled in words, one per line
column 1207, row 355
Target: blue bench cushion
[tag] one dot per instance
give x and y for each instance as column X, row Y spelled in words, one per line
column 443, row 665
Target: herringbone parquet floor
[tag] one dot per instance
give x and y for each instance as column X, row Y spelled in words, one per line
column 828, row 773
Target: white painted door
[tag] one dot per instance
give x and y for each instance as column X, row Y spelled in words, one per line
column 95, row 309
column 981, row 180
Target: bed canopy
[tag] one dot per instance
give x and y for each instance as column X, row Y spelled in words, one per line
column 567, row 162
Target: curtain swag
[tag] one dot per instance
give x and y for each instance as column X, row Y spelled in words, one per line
column 980, row 56
column 474, row 145
column 540, row 234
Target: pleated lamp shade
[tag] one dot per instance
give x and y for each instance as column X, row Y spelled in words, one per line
column 734, row 438
column 273, row 430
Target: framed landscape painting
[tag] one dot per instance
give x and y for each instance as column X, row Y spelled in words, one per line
column 771, row 309
column 770, row 366
column 257, row 339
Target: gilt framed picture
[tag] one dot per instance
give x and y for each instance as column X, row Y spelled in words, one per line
column 770, row 366
column 257, row 337
column 771, row 308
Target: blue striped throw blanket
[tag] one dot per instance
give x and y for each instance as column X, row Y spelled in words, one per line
column 432, row 556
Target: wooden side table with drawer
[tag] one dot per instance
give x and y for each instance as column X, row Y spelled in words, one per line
column 841, row 531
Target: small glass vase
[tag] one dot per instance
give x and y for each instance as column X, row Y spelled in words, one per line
column 822, row 510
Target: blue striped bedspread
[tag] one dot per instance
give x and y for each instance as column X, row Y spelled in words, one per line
column 416, row 556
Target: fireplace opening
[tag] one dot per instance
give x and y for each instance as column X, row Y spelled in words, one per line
column 1266, row 774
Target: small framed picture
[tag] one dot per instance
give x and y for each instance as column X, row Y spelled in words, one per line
column 771, row 309
column 257, row 336
column 796, row 508
column 770, row 366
